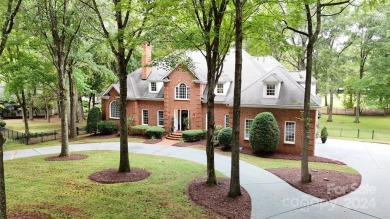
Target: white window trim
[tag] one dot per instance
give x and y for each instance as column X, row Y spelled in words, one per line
column 142, row 116
column 150, row 87
column 187, row 91
column 158, row 118
column 285, row 129
column 245, row 137
column 111, row 117
column 226, row 116
column 277, row 89
column 223, row 89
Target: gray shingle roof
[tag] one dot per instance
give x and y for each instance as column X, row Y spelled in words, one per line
column 255, row 71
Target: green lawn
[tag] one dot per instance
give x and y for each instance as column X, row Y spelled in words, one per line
column 267, row 163
column 36, row 125
column 343, row 127
column 63, row 190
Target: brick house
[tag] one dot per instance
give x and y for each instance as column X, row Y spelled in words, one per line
column 160, row 97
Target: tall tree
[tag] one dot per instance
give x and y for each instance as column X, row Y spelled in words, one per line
column 6, row 28
column 235, row 189
column 131, row 18
column 314, row 11
column 59, row 23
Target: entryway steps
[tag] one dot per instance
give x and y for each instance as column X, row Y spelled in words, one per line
column 175, row 136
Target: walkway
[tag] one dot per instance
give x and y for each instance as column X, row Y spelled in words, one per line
column 271, row 196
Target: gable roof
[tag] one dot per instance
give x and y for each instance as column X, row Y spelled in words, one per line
column 256, row 71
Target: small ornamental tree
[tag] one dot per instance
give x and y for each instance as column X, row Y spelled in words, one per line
column 264, row 133
column 225, row 137
column 94, row 116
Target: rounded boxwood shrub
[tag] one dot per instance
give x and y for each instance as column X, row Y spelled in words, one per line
column 225, row 137
column 264, row 133
column 2, row 123
column 107, row 127
column 193, row 135
column 154, row 132
column 139, row 129
column 94, row 116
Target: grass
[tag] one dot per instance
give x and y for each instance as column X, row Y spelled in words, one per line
column 268, row 163
column 36, row 125
column 63, row 190
column 343, row 127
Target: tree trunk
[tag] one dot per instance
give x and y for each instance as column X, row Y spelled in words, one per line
column 235, row 188
column 124, row 163
column 63, row 107
column 47, row 112
column 3, row 205
column 305, row 175
column 326, row 100
column 330, row 113
column 73, row 110
column 357, row 109
column 81, row 109
column 30, row 107
column 22, row 103
column 211, row 177
column 89, row 102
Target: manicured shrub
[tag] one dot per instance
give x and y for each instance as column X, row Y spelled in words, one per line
column 2, row 123
column 264, row 133
column 94, row 116
column 324, row 133
column 107, row 127
column 154, row 132
column 139, row 129
column 225, row 137
column 193, row 135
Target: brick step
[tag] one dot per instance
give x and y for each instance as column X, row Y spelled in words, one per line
column 170, row 137
column 176, row 134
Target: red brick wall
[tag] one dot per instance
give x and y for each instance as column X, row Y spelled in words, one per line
column 152, row 107
column 194, row 106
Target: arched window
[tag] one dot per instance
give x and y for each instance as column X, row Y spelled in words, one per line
column 182, row 92
column 114, row 109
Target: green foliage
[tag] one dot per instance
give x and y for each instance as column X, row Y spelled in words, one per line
column 94, row 116
column 225, row 137
column 2, row 123
column 139, row 129
column 107, row 127
column 154, row 132
column 324, row 132
column 130, row 123
column 264, row 133
column 194, row 135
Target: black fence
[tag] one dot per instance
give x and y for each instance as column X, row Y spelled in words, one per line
column 34, row 138
column 364, row 134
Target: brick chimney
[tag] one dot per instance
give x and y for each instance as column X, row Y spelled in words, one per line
column 146, row 60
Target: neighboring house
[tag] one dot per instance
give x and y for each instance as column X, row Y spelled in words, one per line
column 157, row 96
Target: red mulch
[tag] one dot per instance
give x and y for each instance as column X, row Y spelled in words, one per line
column 111, row 176
column 326, row 184
column 215, row 198
column 29, row 216
column 67, row 158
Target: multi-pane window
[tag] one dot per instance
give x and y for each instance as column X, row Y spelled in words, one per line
column 160, row 118
column 153, row 86
column 271, row 89
column 114, row 109
column 145, row 117
column 219, row 88
column 248, row 123
column 227, row 121
column 289, row 132
column 182, row 92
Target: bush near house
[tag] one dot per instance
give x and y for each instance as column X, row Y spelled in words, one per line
column 2, row 123
column 106, row 127
column 139, row 129
column 194, row 135
column 94, row 116
column 264, row 133
column 225, row 137
column 154, row 132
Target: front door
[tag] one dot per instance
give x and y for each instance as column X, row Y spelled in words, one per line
column 181, row 120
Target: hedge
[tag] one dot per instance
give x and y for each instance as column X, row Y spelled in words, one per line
column 139, row 129
column 94, row 116
column 106, row 127
column 2, row 123
column 225, row 137
column 264, row 133
column 194, row 135
column 154, row 132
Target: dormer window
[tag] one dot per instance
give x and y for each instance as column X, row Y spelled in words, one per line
column 182, row 92
column 153, row 86
column 271, row 89
column 220, row 89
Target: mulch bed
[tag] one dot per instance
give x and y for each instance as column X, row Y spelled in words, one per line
column 215, row 198
column 29, row 216
column 326, row 184
column 111, row 176
column 67, row 158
